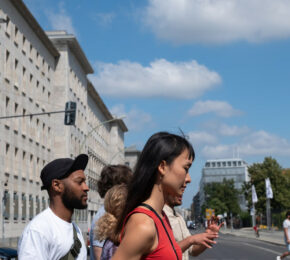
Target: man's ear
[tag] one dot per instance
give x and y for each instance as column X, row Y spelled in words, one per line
column 57, row 185
column 162, row 168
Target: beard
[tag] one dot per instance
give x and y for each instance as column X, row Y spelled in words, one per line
column 71, row 201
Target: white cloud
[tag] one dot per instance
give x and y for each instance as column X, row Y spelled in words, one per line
column 218, row 21
column 135, row 119
column 61, row 20
column 220, row 108
column 223, row 129
column 103, row 19
column 234, row 130
column 198, row 138
column 258, row 143
column 160, row 79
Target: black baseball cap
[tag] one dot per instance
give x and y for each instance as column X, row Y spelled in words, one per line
column 62, row 168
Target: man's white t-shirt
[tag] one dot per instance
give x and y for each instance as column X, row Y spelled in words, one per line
column 286, row 224
column 48, row 237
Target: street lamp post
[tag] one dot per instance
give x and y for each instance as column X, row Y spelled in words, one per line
column 97, row 126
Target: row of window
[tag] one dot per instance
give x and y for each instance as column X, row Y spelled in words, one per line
column 33, row 126
column 224, row 164
column 22, row 206
column 21, row 77
column 20, row 41
column 22, row 161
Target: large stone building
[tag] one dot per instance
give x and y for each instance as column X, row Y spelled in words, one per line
column 230, row 169
column 40, row 72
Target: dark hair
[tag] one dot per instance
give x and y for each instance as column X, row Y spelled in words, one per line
column 160, row 147
column 287, row 214
column 112, row 175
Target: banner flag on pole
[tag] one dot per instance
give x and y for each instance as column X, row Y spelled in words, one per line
column 269, row 192
column 254, row 195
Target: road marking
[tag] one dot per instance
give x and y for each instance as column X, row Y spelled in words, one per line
column 264, row 249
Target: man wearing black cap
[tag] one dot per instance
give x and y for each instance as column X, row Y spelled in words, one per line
column 51, row 234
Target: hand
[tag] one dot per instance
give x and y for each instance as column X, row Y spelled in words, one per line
column 212, row 225
column 288, row 241
column 205, row 239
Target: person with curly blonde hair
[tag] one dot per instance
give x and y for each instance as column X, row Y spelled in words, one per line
column 114, row 204
column 111, row 175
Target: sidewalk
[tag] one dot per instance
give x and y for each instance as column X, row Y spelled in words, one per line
column 271, row 236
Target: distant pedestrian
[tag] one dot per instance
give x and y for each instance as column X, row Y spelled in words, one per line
column 256, row 229
column 52, row 234
column 286, row 228
column 114, row 203
column 111, row 175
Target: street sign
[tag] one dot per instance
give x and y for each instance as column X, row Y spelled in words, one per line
column 209, row 213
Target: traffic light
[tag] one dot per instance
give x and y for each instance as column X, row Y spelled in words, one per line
column 70, row 113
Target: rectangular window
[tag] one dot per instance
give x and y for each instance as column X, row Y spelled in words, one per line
column 37, row 205
column 6, row 199
column 43, row 203
column 16, row 205
column 8, row 66
column 31, row 208
column 23, row 206
column 8, row 27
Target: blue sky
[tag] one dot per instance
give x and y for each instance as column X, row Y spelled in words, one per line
column 217, row 69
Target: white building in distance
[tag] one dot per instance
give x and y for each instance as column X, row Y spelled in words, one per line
column 229, row 169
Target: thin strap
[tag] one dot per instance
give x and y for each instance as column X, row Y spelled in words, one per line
column 153, row 210
column 75, row 248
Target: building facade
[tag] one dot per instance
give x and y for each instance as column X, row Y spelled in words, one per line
column 230, row 169
column 39, row 72
column 196, row 208
column 131, row 156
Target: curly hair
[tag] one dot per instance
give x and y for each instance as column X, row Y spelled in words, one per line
column 114, row 203
column 112, row 175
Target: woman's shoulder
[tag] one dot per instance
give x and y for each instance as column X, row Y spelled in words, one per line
column 142, row 223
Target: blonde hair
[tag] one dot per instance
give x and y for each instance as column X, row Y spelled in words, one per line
column 114, row 203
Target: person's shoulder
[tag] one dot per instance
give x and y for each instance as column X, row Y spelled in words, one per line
column 141, row 223
column 42, row 223
column 140, row 234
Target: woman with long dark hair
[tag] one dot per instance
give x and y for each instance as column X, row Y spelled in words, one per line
column 161, row 171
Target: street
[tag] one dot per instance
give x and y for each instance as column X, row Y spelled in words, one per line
column 230, row 247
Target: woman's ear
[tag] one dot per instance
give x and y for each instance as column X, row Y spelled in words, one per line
column 162, row 168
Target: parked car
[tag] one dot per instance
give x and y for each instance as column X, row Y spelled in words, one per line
column 8, row 253
column 192, row 225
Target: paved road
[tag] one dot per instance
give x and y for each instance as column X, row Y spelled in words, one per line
column 230, row 247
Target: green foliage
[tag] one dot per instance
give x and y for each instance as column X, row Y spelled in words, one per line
column 223, row 197
column 280, row 182
column 246, row 219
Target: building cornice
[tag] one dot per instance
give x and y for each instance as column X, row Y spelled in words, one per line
column 29, row 18
column 96, row 97
column 61, row 37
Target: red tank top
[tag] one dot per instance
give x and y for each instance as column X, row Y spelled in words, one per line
column 164, row 250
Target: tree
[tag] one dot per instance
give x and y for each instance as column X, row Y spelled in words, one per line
column 280, row 182
column 223, row 197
